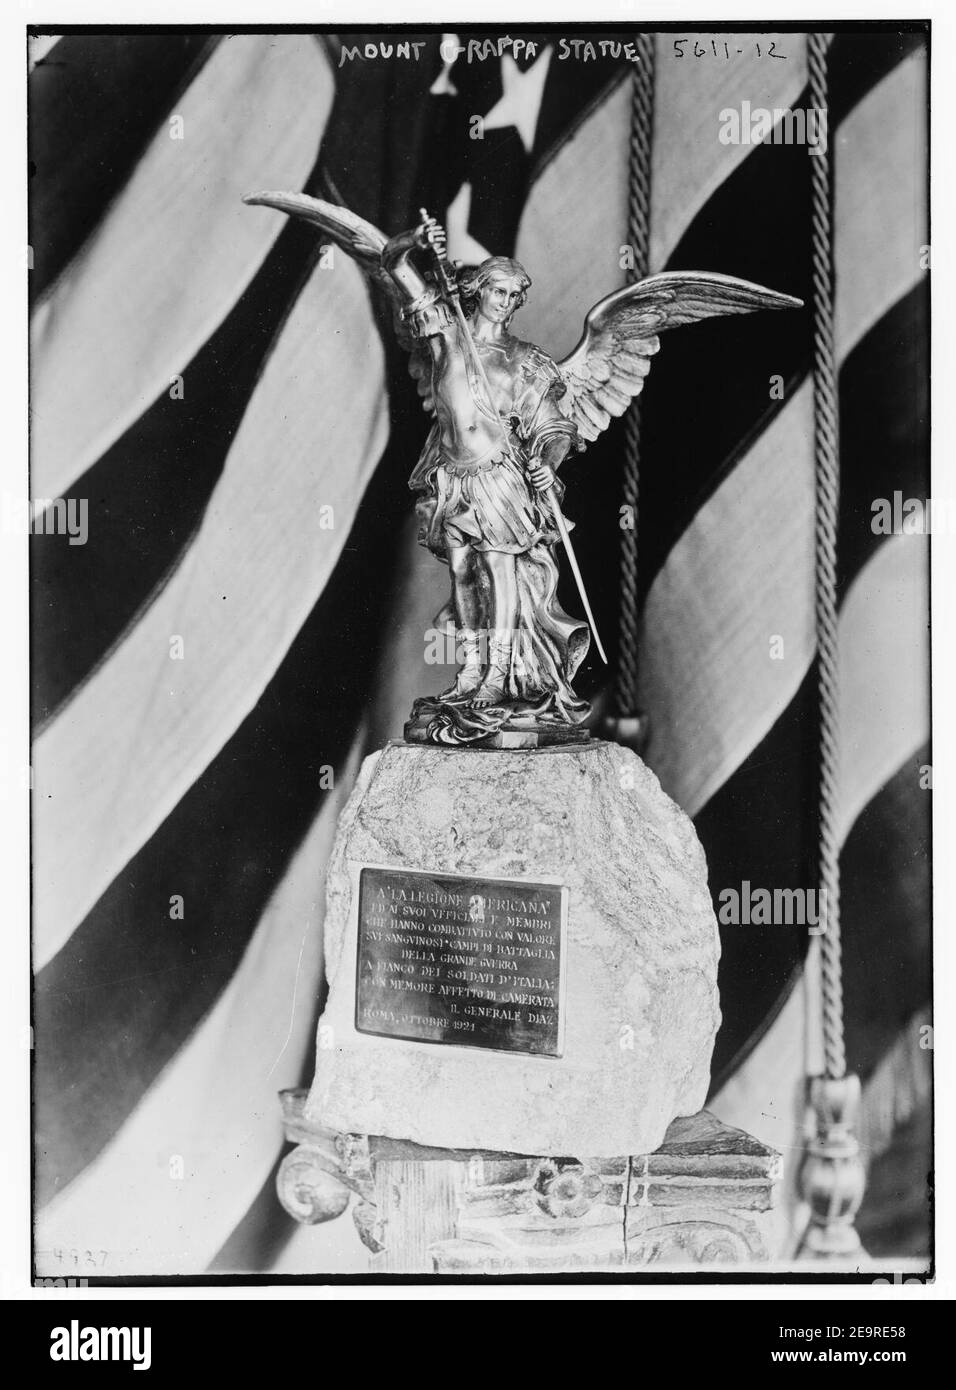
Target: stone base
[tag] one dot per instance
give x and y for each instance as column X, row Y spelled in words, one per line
column 638, row 989
column 705, row 1197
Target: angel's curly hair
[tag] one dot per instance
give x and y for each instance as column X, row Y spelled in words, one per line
column 472, row 280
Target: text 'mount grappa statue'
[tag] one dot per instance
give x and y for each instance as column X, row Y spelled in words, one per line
column 505, row 416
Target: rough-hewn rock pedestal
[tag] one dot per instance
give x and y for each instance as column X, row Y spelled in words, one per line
column 639, row 952
column 705, row 1197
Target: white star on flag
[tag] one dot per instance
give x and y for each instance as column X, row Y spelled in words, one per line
column 520, row 104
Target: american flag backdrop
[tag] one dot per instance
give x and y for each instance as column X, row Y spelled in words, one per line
column 211, row 666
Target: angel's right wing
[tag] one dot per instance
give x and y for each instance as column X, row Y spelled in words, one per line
column 607, row 368
column 364, row 243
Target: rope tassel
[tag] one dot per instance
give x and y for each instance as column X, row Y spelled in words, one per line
column 832, row 1176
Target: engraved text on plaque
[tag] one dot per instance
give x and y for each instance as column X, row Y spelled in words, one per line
column 469, row 961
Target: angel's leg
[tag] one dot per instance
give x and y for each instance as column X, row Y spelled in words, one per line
column 502, row 570
column 466, row 603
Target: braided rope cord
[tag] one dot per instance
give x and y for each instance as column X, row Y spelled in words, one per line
column 827, row 470
column 638, row 236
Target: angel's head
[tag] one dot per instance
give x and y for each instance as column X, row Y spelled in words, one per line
column 496, row 289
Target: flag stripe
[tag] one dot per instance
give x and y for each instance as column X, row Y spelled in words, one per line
column 165, row 465
column 80, row 152
column 756, row 827
column 884, row 427
column 258, row 103
column 879, row 199
column 576, row 261
column 115, row 762
column 741, row 579
column 758, row 823
column 760, row 827
column 689, row 162
column 709, row 675
column 860, row 59
column 708, row 672
column 883, row 438
column 214, row 1107
column 38, row 47
column 223, row 849
column 757, row 225
column 885, row 898
column 884, row 671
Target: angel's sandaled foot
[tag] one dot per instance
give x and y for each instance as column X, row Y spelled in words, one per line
column 469, row 677
column 464, row 687
column 490, row 692
column 493, row 687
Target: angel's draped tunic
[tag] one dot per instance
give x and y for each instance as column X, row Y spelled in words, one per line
column 472, row 491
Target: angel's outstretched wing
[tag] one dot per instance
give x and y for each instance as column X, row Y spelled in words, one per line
column 365, row 244
column 607, row 368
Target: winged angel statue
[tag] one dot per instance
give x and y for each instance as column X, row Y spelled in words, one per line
column 505, row 416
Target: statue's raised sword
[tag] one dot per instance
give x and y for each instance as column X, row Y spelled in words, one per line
column 449, row 286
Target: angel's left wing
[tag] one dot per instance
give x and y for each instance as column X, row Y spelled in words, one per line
column 364, row 243
column 360, row 239
column 607, row 368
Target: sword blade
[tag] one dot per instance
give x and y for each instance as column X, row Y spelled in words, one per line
column 562, row 526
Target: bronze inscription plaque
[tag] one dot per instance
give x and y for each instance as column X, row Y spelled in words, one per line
column 471, row 961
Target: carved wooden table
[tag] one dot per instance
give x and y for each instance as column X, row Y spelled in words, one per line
column 705, row 1196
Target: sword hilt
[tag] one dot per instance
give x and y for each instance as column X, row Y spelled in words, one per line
column 447, row 278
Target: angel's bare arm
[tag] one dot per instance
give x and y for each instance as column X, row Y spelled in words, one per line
column 422, row 319
column 395, row 260
column 425, row 316
column 396, row 257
